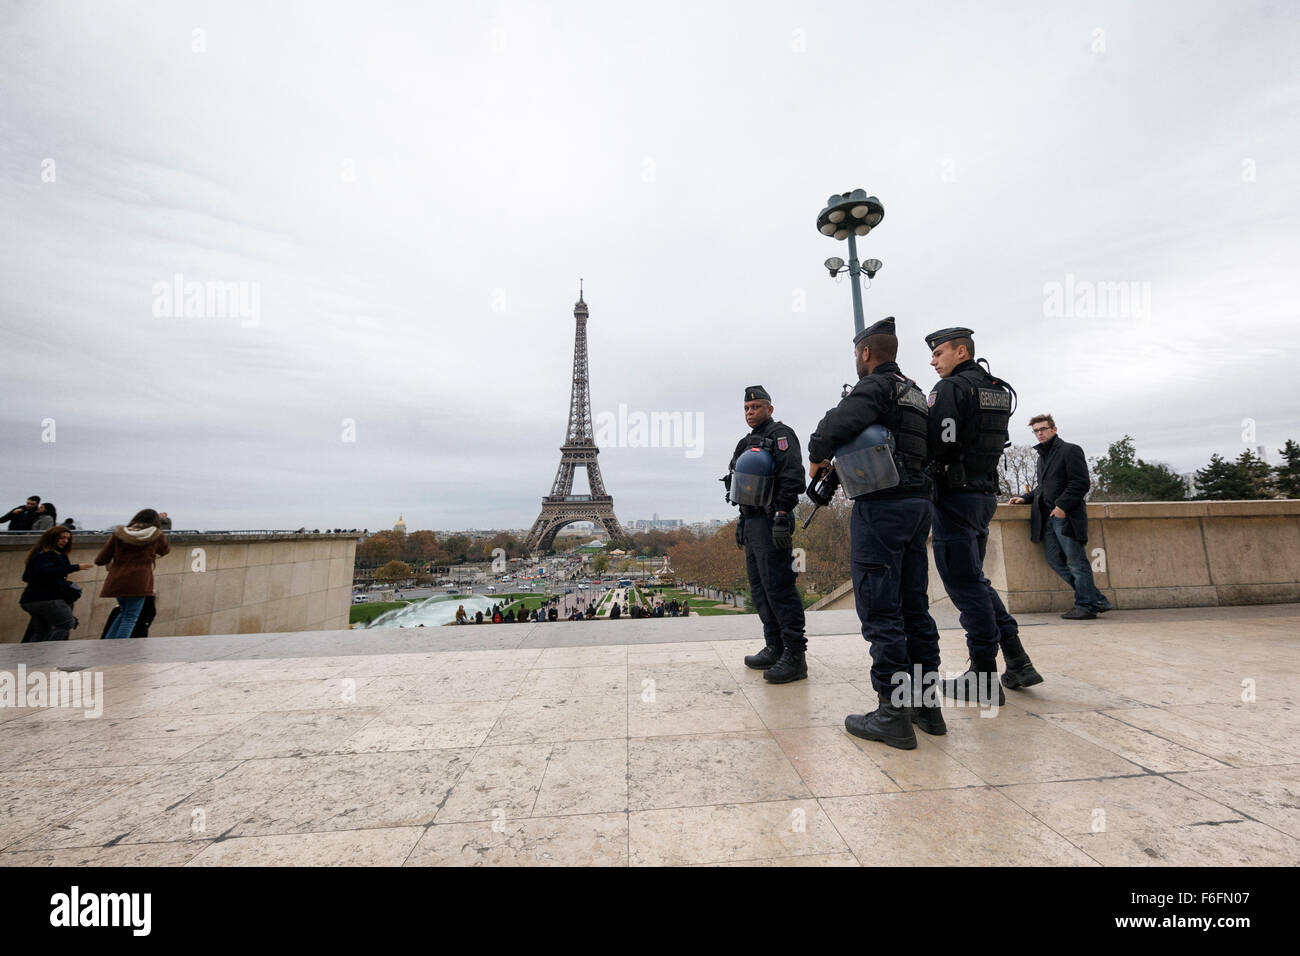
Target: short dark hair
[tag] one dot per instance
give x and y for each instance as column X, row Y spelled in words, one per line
column 1042, row 418
column 35, row 498
column 967, row 341
column 883, row 346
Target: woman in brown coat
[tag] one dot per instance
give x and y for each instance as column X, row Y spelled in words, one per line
column 130, row 553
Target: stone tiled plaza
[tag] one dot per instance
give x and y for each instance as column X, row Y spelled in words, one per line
column 649, row 743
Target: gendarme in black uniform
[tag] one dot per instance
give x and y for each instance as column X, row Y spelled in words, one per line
column 766, row 535
column 969, row 415
column 888, row 533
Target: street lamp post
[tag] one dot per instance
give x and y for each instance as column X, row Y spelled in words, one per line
column 847, row 216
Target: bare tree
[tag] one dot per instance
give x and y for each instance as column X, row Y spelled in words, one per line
column 1017, row 470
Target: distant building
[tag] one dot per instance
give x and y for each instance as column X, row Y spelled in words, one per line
column 400, row 527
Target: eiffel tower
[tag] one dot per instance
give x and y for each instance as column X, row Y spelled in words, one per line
column 562, row 506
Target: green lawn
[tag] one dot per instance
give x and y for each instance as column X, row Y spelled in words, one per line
column 365, row 613
column 700, row 605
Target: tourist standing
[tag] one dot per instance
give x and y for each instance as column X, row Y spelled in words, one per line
column 46, row 517
column 49, row 594
column 24, row 516
column 1060, row 518
column 130, row 553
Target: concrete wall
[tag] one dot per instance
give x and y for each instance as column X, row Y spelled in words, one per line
column 252, row 583
column 1157, row 554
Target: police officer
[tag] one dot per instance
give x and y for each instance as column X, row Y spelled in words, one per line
column 765, row 478
column 877, row 436
column 969, row 413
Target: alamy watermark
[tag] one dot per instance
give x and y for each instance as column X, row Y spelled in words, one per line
column 1086, row 299
column 82, row 690
column 178, row 299
column 626, row 429
column 75, row 908
column 980, row 689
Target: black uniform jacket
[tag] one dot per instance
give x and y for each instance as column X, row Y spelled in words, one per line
column 868, row 403
column 789, row 465
column 950, row 416
column 1062, row 483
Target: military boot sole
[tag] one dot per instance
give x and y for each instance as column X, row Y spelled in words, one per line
column 859, row 725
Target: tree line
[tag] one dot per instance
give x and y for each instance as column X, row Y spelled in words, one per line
column 1120, row 475
column 423, row 549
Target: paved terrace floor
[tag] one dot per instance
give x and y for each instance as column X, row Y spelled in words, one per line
column 538, row 745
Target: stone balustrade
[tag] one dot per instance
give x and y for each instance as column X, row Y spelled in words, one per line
column 1148, row 555
column 221, row 583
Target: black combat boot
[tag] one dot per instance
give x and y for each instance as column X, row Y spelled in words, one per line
column 888, row 724
column 1020, row 671
column 789, row 668
column 929, row 718
column 764, row 658
column 974, row 686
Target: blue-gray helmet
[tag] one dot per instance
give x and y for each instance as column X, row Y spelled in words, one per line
column 754, row 479
column 866, row 463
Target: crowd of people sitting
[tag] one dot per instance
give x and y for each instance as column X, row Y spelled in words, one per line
column 552, row 610
column 673, row 608
column 509, row 614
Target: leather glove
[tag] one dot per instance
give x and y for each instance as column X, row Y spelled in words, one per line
column 782, row 532
column 740, row 533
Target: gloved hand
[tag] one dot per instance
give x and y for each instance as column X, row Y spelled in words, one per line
column 782, row 531
column 740, row 533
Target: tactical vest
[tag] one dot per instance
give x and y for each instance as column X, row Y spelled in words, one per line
column 985, row 430
column 907, row 420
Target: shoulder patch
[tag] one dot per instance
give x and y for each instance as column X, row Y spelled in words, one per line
column 783, row 444
column 929, row 399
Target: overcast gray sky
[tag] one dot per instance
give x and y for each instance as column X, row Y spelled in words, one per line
column 413, row 190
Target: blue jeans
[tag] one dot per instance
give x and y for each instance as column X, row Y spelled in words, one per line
column 1069, row 559
column 128, row 613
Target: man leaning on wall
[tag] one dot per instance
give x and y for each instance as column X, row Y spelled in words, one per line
column 1060, row 516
